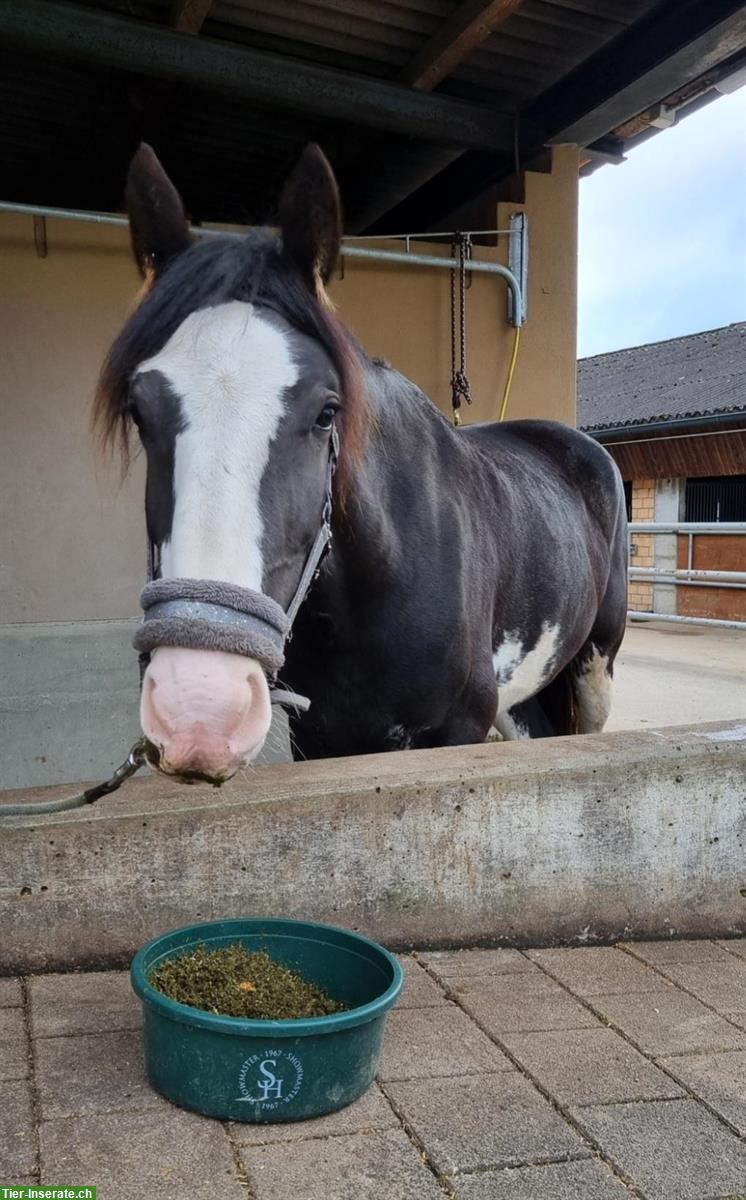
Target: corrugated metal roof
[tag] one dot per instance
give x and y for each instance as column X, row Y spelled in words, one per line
column 703, row 374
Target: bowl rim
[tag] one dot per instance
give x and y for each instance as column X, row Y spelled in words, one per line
column 261, row 1028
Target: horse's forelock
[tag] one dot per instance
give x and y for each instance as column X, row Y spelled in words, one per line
column 354, row 416
column 255, row 270
column 109, row 419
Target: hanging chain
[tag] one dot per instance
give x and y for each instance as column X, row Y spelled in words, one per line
column 460, row 389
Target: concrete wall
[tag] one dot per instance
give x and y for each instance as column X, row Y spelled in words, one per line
column 69, row 703
column 573, row 840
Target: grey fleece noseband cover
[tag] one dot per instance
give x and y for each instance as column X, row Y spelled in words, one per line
column 204, row 614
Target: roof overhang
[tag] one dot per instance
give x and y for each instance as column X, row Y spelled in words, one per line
column 410, row 146
column 643, row 430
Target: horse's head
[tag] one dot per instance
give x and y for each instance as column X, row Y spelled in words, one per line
column 236, row 374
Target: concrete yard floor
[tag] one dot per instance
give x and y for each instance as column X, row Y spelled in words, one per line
column 678, row 675
column 584, row 1074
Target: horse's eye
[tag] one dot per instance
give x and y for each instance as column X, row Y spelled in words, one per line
column 325, row 419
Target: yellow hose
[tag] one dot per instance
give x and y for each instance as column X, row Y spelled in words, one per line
column 511, row 372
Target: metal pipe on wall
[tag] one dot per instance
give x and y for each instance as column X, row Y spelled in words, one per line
column 405, row 257
column 450, row 264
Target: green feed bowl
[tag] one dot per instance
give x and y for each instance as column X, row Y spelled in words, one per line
column 249, row 1070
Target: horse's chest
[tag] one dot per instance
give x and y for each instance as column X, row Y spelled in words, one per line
column 523, row 668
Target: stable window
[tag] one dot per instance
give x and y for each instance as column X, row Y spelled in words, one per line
column 717, row 498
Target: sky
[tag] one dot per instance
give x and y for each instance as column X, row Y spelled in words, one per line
column 662, row 246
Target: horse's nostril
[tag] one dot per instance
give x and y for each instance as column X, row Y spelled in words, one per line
column 160, row 713
column 191, row 777
column 152, row 754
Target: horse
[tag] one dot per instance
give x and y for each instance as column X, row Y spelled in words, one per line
column 475, row 582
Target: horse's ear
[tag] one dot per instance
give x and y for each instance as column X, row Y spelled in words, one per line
column 311, row 217
column 158, row 223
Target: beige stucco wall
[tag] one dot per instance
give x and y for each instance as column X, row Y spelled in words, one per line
column 404, row 314
column 71, row 538
column 72, row 543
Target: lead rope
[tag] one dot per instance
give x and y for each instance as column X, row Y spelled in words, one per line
column 460, row 389
column 132, row 763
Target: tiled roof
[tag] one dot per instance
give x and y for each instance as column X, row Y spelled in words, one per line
column 693, row 376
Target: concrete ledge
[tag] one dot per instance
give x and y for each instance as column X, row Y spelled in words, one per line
column 565, row 840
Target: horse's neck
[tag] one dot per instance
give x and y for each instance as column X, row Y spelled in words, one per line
column 395, row 511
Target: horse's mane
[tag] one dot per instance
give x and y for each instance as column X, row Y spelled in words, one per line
column 213, row 272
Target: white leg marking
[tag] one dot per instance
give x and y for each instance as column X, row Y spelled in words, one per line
column 592, row 687
column 229, row 367
column 510, row 729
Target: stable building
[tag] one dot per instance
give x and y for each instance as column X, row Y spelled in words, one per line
column 437, row 116
column 673, row 416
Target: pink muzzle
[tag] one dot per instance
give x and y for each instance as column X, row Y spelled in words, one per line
column 205, row 705
column 205, row 713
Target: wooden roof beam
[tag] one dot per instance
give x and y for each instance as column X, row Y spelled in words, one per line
column 188, row 16
column 400, row 167
column 110, row 40
column 466, row 28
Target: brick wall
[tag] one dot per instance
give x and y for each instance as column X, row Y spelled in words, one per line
column 643, row 509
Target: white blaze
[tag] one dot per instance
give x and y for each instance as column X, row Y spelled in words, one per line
column 230, row 368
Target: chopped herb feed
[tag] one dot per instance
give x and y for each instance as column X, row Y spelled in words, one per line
column 235, row 982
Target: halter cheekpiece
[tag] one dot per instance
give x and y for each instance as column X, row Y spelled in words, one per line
column 208, row 614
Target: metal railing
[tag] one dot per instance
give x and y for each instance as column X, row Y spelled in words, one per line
column 688, row 576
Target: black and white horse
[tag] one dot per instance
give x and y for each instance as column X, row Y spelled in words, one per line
column 477, row 577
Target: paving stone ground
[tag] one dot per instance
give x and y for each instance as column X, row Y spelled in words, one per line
column 586, row 1074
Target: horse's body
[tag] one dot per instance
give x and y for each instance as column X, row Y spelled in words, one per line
column 478, row 579
column 477, row 576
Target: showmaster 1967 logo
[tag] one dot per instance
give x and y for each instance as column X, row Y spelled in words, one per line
column 270, row 1079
